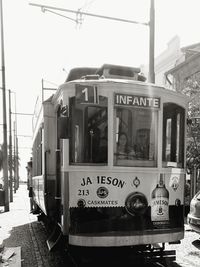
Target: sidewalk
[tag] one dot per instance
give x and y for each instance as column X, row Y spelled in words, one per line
column 16, row 227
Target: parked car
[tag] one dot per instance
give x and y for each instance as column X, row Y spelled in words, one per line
column 193, row 217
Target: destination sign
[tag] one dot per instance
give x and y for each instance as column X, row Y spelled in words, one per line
column 137, row 101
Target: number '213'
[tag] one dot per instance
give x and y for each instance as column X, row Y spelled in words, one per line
column 83, row 192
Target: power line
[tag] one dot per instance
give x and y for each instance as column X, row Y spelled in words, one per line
column 50, row 11
column 151, row 25
column 44, row 7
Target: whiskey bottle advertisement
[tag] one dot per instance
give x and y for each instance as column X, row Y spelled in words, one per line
column 160, row 202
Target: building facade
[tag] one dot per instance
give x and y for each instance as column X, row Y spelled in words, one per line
column 186, row 72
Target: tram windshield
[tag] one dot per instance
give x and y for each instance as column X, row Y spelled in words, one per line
column 136, row 137
column 89, row 131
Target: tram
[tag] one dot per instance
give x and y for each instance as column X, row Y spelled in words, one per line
column 109, row 160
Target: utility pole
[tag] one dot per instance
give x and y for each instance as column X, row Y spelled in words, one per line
column 17, row 160
column 151, row 43
column 10, row 149
column 5, row 152
column 16, row 149
column 14, row 154
column 42, row 90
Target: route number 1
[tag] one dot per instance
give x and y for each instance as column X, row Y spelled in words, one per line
column 86, row 94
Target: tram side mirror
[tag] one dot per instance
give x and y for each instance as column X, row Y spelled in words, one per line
column 63, row 127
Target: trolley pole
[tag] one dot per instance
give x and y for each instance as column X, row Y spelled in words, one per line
column 5, row 152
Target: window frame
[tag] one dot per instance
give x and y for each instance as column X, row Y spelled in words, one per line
column 177, row 145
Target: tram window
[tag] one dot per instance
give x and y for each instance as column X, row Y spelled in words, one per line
column 168, row 138
column 88, row 142
column 136, row 137
column 37, row 154
column 173, row 135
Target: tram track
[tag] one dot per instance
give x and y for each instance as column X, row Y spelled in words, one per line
column 158, row 264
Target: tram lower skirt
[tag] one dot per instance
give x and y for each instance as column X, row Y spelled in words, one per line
column 136, row 254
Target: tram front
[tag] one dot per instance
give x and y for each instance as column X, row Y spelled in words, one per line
column 123, row 166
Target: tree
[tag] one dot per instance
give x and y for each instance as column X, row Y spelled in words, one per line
column 192, row 89
column 15, row 158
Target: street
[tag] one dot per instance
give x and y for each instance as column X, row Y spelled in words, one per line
column 188, row 252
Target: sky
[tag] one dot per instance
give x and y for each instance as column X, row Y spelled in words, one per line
column 42, row 45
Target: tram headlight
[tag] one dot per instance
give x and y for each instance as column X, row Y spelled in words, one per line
column 136, row 203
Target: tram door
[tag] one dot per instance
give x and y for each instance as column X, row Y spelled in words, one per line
column 62, row 133
column 58, row 171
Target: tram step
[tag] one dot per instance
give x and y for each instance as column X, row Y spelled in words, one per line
column 54, row 238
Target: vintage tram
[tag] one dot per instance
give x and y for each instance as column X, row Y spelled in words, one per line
column 109, row 158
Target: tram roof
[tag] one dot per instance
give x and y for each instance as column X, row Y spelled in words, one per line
column 107, row 71
column 144, row 85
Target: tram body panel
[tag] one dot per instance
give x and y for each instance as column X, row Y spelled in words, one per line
column 97, row 201
column 65, row 216
column 84, row 185
column 35, row 182
column 44, row 147
column 131, row 239
column 98, row 206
